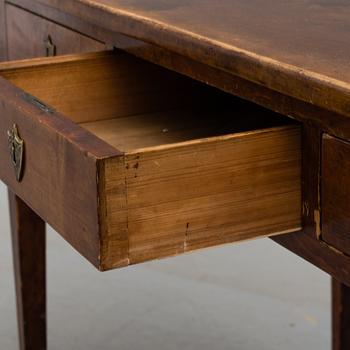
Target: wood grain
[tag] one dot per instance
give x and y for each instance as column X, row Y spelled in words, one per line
column 29, row 256
column 304, row 111
column 97, row 86
column 202, row 169
column 26, row 34
column 280, row 50
column 220, row 115
column 335, row 193
column 61, row 167
column 201, row 193
column 114, row 214
column 331, row 121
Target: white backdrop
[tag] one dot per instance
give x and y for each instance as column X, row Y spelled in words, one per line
column 250, row 296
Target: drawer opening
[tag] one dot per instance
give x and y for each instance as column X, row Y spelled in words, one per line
column 145, row 163
column 132, row 104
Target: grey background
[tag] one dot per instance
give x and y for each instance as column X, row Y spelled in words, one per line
column 249, row 296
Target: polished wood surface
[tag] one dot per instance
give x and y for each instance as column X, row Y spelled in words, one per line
column 340, row 316
column 335, row 195
column 28, row 241
column 299, row 48
column 28, row 33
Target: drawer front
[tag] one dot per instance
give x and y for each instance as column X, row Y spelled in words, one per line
column 60, row 164
column 335, row 193
column 156, row 175
column 30, row 36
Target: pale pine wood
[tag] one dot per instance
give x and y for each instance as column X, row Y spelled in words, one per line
column 183, row 166
column 166, row 127
column 114, row 214
column 97, row 86
column 201, row 193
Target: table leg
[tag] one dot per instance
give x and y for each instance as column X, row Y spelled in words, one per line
column 28, row 240
column 340, row 316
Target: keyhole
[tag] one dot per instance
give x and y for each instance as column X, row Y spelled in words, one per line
column 50, row 47
column 13, row 151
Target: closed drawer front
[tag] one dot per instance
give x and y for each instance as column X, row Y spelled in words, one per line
column 30, row 36
column 335, row 193
column 132, row 162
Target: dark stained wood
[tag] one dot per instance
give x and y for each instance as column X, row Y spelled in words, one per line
column 3, row 41
column 60, row 171
column 87, row 16
column 317, row 253
column 29, row 249
column 311, row 115
column 332, row 122
column 27, row 34
column 291, row 57
column 66, row 20
column 340, row 316
column 105, row 85
column 284, row 49
column 311, row 206
column 335, row 193
column 122, row 189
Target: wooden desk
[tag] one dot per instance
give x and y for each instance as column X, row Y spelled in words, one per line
column 132, row 159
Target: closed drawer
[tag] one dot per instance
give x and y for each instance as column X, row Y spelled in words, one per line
column 335, row 193
column 30, row 36
column 132, row 162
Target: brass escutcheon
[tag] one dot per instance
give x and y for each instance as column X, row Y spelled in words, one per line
column 16, row 146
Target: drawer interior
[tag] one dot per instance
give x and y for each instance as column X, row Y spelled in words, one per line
column 132, row 104
column 190, row 166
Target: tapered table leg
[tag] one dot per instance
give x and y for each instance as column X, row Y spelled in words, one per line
column 28, row 240
column 340, row 316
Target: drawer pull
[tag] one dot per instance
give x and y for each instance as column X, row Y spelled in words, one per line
column 50, row 47
column 16, row 145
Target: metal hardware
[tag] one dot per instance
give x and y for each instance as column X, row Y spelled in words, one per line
column 50, row 47
column 41, row 105
column 35, row 101
column 16, row 146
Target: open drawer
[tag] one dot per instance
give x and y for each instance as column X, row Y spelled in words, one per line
column 131, row 162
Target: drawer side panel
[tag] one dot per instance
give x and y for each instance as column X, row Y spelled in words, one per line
column 210, row 192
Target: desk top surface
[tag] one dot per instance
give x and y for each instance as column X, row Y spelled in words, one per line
column 280, row 44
